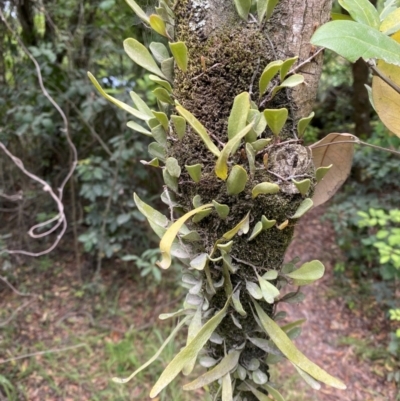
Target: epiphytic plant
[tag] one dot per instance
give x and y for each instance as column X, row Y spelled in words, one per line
column 236, row 172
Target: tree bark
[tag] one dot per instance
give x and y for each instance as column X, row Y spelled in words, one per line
column 226, row 57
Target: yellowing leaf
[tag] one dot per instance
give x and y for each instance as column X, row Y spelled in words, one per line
column 304, row 207
column 221, row 167
column 187, row 353
column 172, row 232
column 227, row 391
column 199, row 128
column 340, row 155
column 242, row 226
column 286, row 346
column 158, row 24
column 391, row 23
column 264, row 188
column 179, row 51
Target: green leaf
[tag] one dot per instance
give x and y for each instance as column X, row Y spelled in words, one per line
column 227, row 247
column 170, row 181
column 267, row 223
column 221, row 167
column 391, row 24
column 243, row 8
column 194, row 172
column 159, row 135
column 265, row 9
column 222, row 210
column 157, row 150
column 321, row 172
column 163, row 96
column 339, row 16
column 150, row 213
column 227, row 391
column 241, row 227
column 269, row 72
column 352, row 40
column 290, row 82
column 276, row 119
column 157, row 354
column 199, row 262
column 302, row 186
column 304, row 207
column 307, row 273
column 173, row 167
column 275, row 393
column 286, row 346
column 180, row 312
column 260, row 144
column 270, row 275
column 187, row 353
column 290, row 326
column 122, row 105
column 138, row 128
column 167, row 68
column 199, row 128
column 162, row 82
column 254, row 290
column 141, row 56
column 180, row 53
column 287, row 64
column 238, row 116
column 158, row 24
column 388, row 7
column 308, row 379
column 264, row 188
column 172, row 232
column 251, row 158
column 237, row 304
column 159, row 51
column 201, row 215
column 193, row 330
column 269, row 291
column 162, row 118
column 303, row 124
column 227, row 364
column 138, row 11
column 153, row 162
column 236, row 181
column 140, row 104
column 179, row 125
column 258, row 394
column 258, row 228
column 362, row 11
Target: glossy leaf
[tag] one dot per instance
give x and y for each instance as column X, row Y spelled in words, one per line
column 352, row 40
column 303, row 124
column 221, row 167
column 238, row 116
column 265, row 188
column 258, row 228
column 138, row 11
column 162, row 82
column 179, row 125
column 150, row 213
column 243, row 8
column 241, row 227
column 158, row 24
column 159, row 51
column 276, row 119
column 141, row 56
column 291, row 82
column 122, row 105
column 302, row 186
column 303, row 208
column 269, row 72
column 287, row 65
column 180, row 53
column 168, row 238
column 286, row 346
column 222, row 210
column 199, row 128
column 194, row 172
column 157, row 354
column 173, row 167
column 325, row 152
column 227, row 364
column 362, row 11
column 187, row 353
column 236, row 181
column 265, row 9
column 138, row 128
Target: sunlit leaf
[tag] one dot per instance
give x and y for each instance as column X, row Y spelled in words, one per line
column 391, row 23
column 269, row 72
column 141, row 56
column 138, row 11
column 237, row 180
column 352, row 40
column 225, row 366
column 362, row 11
column 325, row 152
column 193, row 348
column 291, row 82
column 276, row 119
column 199, row 128
column 172, row 232
column 221, row 167
column 158, row 24
column 286, row 346
column 238, row 115
column 150, row 213
column 303, row 208
column 243, row 8
column 265, row 188
column 179, row 51
column 287, row 65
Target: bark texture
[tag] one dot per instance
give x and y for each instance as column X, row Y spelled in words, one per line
column 226, row 57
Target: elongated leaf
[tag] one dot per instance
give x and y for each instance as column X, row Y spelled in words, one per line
column 225, row 366
column 179, row 125
column 264, row 188
column 199, row 128
column 138, row 11
column 180, row 312
column 162, row 82
column 158, row 24
column 227, row 391
column 265, row 9
column 339, row 16
column 180, row 53
column 155, row 357
column 303, row 124
column 221, row 167
column 242, row 226
column 352, row 40
column 168, row 238
column 243, row 8
column 303, row 208
column 236, row 181
column 391, row 23
column 287, row 65
column 325, row 152
column 193, row 330
column 167, row 68
column 286, row 346
column 150, row 213
column 138, row 128
column 122, row 105
column 258, row 394
column 159, row 51
column 193, row 348
column 269, row 72
column 290, row 82
column 141, row 56
column 362, row 11
column 315, row 385
column 141, row 104
column 238, row 116
column 163, row 96
column 237, row 304
column 388, row 7
column 274, row 392
column 276, row 119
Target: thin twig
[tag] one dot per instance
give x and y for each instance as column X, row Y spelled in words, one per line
column 11, row 317
column 297, row 67
column 49, row 351
column 384, row 78
column 13, row 289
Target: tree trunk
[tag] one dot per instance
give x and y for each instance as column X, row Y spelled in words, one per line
column 226, row 57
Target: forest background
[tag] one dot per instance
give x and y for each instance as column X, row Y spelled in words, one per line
column 88, row 310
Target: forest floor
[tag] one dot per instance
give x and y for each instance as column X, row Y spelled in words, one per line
column 65, row 340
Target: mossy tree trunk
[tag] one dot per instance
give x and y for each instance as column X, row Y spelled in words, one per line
column 226, row 57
